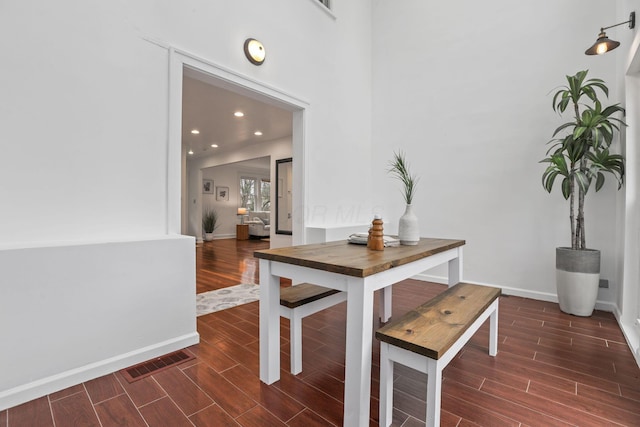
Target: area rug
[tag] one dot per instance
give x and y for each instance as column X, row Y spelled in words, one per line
column 220, row 299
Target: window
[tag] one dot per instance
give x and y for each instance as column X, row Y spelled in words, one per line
column 248, row 193
column 265, row 194
column 255, row 194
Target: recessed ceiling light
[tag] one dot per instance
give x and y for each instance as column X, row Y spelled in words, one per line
column 238, row 114
column 195, row 131
column 190, row 151
column 214, row 145
column 257, row 133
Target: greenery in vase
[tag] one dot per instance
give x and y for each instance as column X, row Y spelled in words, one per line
column 210, row 220
column 399, row 168
column 582, row 155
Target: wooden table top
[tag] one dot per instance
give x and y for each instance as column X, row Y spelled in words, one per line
column 356, row 260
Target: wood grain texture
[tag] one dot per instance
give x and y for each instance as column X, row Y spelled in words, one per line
column 356, row 260
column 119, row 411
column 432, row 328
column 304, row 293
column 74, row 411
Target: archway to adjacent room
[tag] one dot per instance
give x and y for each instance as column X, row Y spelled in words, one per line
column 182, row 63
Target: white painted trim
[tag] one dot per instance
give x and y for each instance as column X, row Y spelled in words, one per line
column 631, row 335
column 517, row 292
column 243, row 85
column 29, row 391
column 325, row 9
column 174, row 145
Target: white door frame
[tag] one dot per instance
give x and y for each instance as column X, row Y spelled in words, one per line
column 629, row 296
column 243, row 85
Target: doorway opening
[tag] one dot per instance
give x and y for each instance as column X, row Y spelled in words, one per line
column 180, row 202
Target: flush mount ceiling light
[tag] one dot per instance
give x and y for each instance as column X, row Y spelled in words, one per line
column 195, row 131
column 603, row 44
column 238, row 114
column 214, row 145
column 254, row 51
column 257, row 133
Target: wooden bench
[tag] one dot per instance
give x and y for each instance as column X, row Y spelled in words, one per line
column 428, row 338
column 299, row 301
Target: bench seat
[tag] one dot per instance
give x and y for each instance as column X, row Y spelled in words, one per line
column 428, row 337
column 299, row 301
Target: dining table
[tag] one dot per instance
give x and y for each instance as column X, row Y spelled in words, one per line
column 358, row 271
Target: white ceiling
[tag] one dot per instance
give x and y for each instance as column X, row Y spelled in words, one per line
column 210, row 110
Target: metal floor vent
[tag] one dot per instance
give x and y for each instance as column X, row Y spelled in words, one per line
column 150, row 367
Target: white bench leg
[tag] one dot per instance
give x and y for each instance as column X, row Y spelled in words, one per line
column 493, row 331
column 434, row 391
column 386, row 387
column 295, row 316
column 295, row 341
column 385, row 303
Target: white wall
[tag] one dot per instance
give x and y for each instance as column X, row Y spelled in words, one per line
column 464, row 89
column 327, row 64
column 84, row 159
column 228, row 176
column 69, row 313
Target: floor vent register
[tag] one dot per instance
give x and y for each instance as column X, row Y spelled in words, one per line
column 150, row 367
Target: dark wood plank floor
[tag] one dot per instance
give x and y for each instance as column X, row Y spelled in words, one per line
column 227, row 262
column 551, row 370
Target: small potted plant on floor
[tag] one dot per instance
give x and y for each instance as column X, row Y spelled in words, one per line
column 580, row 156
column 209, row 223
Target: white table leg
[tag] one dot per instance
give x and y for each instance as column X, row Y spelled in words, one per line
column 455, row 269
column 385, row 303
column 357, row 383
column 493, row 330
column 269, row 324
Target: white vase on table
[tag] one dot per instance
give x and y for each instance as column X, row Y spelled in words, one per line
column 408, row 229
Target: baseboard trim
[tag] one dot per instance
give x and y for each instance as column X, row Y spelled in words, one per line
column 541, row 296
column 632, row 336
column 42, row 387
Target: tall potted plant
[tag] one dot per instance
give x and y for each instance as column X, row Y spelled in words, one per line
column 579, row 154
column 209, row 223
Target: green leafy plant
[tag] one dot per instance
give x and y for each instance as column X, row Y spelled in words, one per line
column 582, row 155
column 210, row 220
column 399, row 168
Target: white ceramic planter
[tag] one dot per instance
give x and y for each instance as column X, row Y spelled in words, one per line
column 408, row 229
column 208, row 237
column 577, row 280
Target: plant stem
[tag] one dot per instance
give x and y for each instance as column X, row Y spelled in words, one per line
column 572, row 183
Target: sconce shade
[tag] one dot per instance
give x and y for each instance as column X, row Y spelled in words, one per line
column 602, row 45
column 254, row 51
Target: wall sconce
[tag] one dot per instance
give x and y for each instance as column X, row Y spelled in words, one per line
column 603, row 44
column 241, row 213
column 254, row 51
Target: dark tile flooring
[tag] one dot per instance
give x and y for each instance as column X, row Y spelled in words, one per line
column 552, row 369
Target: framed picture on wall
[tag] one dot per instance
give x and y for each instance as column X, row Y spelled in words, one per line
column 222, row 193
column 207, row 186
